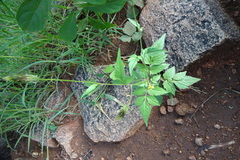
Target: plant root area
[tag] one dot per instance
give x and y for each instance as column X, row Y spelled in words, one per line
column 215, row 121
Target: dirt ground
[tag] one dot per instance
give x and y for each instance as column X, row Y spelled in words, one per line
column 216, row 119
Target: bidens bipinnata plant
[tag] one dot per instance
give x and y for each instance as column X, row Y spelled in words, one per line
column 149, row 77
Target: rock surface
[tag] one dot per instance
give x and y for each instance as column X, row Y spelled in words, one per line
column 183, row 109
column 105, row 127
column 192, row 27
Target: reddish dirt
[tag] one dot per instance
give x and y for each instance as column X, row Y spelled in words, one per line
column 163, row 139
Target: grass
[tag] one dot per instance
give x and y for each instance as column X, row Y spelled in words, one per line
column 23, row 105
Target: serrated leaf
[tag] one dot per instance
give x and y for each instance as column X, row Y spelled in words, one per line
column 145, row 110
column 128, row 79
column 157, row 91
column 169, row 86
column 125, row 38
column 119, row 66
column 133, row 60
column 158, row 68
column 90, row 90
column 142, row 70
column 32, row 15
column 153, row 100
column 109, row 69
column 179, row 76
column 68, row 31
column 155, row 79
column 100, row 24
column 137, row 36
column 112, row 75
column 111, row 6
column 186, row 82
column 140, row 91
column 82, row 25
column 129, row 28
column 169, row 73
column 139, row 101
column 159, row 43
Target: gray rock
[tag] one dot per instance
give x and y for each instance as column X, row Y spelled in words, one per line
column 192, row 27
column 105, row 127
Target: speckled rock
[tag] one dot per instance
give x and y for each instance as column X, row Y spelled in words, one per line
column 105, row 127
column 192, row 27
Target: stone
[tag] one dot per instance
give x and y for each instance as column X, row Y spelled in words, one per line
column 49, row 139
column 179, row 121
column 170, row 109
column 191, row 27
column 166, row 152
column 172, row 101
column 192, row 158
column 100, row 120
column 183, row 109
column 217, row 126
column 163, row 110
column 198, row 141
column 67, row 135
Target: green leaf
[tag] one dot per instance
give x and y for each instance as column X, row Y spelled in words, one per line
column 140, row 91
column 153, row 100
column 158, row 68
column 142, row 70
column 129, row 28
column 95, row 1
column 119, row 66
column 169, row 73
column 169, row 86
column 145, row 56
column 68, row 31
column 99, row 24
column 159, row 43
column 135, row 23
column 91, row 89
column 109, row 69
column 133, row 60
column 179, row 76
column 186, row 82
column 155, row 79
column 111, row 6
column 125, row 38
column 157, row 91
column 139, row 101
column 128, row 79
column 82, row 24
column 132, row 12
column 33, row 14
column 145, row 110
column 137, row 36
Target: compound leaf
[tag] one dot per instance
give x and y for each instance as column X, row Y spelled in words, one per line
column 179, row 76
column 157, row 91
column 186, row 82
column 139, row 101
column 153, row 100
column 140, row 91
column 169, row 73
column 33, row 14
column 169, row 86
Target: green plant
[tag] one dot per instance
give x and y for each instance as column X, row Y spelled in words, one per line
column 149, row 76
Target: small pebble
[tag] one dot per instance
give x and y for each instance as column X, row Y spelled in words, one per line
column 74, row 155
column 163, row 110
column 166, row 152
column 179, row 121
column 203, row 152
column 217, row 126
column 192, row 158
column 128, row 158
column 170, row 109
column 198, row 141
column 172, row 101
column 102, row 158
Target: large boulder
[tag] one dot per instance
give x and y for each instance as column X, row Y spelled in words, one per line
column 192, row 27
column 100, row 121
